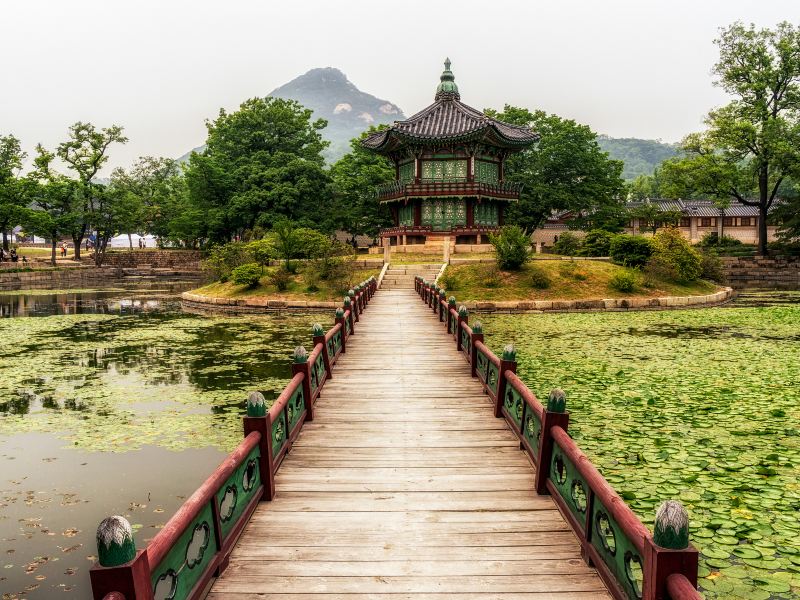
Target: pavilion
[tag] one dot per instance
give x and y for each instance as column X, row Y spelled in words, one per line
column 450, row 185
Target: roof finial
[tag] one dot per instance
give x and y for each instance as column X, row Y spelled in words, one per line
column 447, row 90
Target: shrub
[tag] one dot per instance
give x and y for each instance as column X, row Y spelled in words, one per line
column 280, row 278
column 491, row 277
column 512, row 247
column 712, row 238
column 248, row 274
column 624, row 280
column 596, row 243
column 262, row 251
column 222, row 260
column 630, row 250
column 568, row 244
column 449, row 280
column 539, row 278
column 711, row 267
column 675, row 253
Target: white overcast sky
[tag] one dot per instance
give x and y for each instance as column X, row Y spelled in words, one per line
column 638, row 68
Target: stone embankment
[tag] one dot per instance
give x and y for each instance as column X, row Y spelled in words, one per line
column 756, row 272
column 183, row 260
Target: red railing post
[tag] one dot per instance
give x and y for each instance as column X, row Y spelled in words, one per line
column 508, row 364
column 131, row 579
column 431, row 294
column 550, row 419
column 660, row 563
column 353, row 305
column 258, row 420
column 305, row 369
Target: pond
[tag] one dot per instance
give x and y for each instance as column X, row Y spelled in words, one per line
column 114, row 401
column 699, row 405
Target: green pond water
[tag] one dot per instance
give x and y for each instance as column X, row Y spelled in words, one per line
column 697, row 405
column 114, row 401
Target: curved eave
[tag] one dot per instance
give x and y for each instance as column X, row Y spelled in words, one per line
column 393, row 139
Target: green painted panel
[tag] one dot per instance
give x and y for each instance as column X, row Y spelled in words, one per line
column 184, row 565
column 513, row 404
column 405, row 215
column 465, row 342
column 294, row 408
column 617, row 551
column 486, row 213
column 533, row 427
column 444, row 170
column 571, row 486
column 278, row 435
column 407, row 172
column 317, row 372
column 238, row 491
column 444, row 213
column 487, row 172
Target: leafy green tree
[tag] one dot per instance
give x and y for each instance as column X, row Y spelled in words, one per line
column 152, row 187
column 752, row 144
column 12, row 196
column 565, row 170
column 651, row 215
column 261, row 163
column 85, row 153
column 355, row 177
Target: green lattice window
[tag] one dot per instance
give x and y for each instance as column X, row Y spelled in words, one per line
column 407, row 171
column 444, row 214
column 405, row 215
column 487, row 172
column 444, row 170
column 486, row 213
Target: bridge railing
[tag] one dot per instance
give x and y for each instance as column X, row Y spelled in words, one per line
column 633, row 562
column 195, row 544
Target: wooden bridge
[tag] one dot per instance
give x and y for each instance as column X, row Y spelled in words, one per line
column 402, row 483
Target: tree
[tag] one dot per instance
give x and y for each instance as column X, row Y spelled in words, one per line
column 151, row 187
column 355, row 177
column 752, row 144
column 262, row 163
column 565, row 170
column 653, row 216
column 85, row 153
column 12, row 197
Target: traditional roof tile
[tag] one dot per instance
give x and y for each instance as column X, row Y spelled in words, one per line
column 449, row 119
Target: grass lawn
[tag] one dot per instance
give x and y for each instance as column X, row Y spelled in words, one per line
column 568, row 280
column 298, row 288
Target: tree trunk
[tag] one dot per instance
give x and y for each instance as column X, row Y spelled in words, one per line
column 53, row 251
column 5, row 240
column 130, row 241
column 76, row 241
column 763, row 194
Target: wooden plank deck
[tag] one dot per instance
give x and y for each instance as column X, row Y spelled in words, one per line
column 406, row 485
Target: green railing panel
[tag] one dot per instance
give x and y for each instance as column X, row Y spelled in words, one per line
column 617, row 551
column 453, row 323
column 465, row 342
column 317, row 372
column 571, row 486
column 294, row 408
column 278, row 435
column 183, row 566
column 532, row 429
column 492, row 379
column 513, row 403
column 347, row 325
column 238, row 491
column 481, row 364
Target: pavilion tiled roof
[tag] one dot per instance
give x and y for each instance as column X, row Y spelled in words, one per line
column 448, row 119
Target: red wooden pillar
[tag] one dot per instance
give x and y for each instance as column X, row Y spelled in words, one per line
column 549, row 420
column 353, row 305
column 131, row 579
column 264, row 427
column 506, row 366
column 305, row 369
column 660, row 563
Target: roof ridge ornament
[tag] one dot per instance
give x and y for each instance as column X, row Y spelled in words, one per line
column 447, row 88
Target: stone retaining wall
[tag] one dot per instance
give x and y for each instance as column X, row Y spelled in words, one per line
column 776, row 272
column 65, row 277
column 249, row 305
column 186, row 260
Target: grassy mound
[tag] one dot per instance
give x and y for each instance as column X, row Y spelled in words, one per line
column 559, row 279
column 302, row 286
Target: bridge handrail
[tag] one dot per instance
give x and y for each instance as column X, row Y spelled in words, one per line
column 221, row 507
column 612, row 537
